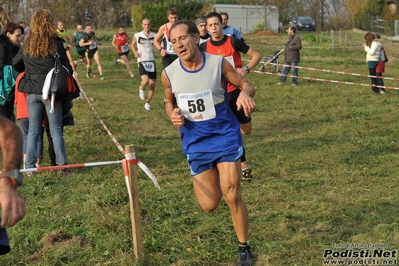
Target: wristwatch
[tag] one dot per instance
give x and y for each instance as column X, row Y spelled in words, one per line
column 247, row 69
column 16, row 177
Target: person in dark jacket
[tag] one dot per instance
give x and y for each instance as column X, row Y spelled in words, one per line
column 37, row 58
column 9, row 47
column 292, row 56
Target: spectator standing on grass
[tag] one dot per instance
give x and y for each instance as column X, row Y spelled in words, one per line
column 120, row 41
column 292, row 56
column 373, row 54
column 90, row 41
column 146, row 60
column 11, row 203
column 166, row 48
column 36, row 59
column 230, row 47
column 9, row 47
column 227, row 29
column 381, row 64
column 210, row 133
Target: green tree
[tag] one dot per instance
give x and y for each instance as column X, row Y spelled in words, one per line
column 375, row 7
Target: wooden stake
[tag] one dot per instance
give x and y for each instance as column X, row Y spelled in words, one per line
column 135, row 214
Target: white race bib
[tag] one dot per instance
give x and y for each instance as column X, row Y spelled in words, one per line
column 93, row 45
column 169, row 48
column 148, row 66
column 124, row 48
column 197, row 106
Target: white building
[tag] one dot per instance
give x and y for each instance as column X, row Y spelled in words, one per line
column 246, row 17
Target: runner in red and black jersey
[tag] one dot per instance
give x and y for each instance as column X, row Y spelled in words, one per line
column 230, row 47
column 121, row 43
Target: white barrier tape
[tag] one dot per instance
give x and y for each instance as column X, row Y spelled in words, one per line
column 328, row 80
column 149, row 174
column 128, row 157
column 330, row 71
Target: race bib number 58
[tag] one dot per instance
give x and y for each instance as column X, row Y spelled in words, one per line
column 197, row 106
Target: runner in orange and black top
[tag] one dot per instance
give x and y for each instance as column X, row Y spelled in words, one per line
column 121, row 43
column 62, row 34
column 166, row 49
column 230, row 47
column 90, row 41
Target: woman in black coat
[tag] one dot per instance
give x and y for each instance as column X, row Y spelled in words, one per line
column 37, row 58
column 9, row 47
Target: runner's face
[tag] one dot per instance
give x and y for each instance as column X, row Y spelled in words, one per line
column 214, row 26
column 184, row 45
column 80, row 29
column 202, row 29
column 172, row 19
column 89, row 29
column 146, row 25
column 121, row 30
column 224, row 20
column 60, row 26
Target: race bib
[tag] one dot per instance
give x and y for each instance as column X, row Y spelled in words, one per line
column 197, row 106
column 169, row 48
column 148, row 66
column 230, row 59
column 124, row 48
column 93, row 45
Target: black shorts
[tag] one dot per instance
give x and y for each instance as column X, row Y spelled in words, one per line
column 82, row 54
column 232, row 96
column 90, row 53
column 125, row 53
column 168, row 59
column 151, row 75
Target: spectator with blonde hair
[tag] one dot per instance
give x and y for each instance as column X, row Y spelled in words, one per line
column 37, row 58
column 373, row 52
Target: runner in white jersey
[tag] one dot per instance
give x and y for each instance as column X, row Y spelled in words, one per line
column 144, row 40
column 209, row 131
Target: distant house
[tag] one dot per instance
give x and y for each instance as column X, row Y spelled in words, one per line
column 246, row 17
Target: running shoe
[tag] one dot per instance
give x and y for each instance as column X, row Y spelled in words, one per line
column 93, row 75
column 102, row 77
column 147, row 106
column 244, row 256
column 87, row 75
column 116, row 61
column 246, row 175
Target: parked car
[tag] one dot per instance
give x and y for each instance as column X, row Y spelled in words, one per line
column 303, row 23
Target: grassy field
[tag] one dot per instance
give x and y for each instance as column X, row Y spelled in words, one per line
column 324, row 158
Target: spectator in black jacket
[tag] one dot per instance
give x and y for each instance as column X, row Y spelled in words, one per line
column 292, row 56
column 37, row 59
column 9, row 47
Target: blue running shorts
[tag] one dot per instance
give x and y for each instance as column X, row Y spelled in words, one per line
column 202, row 161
